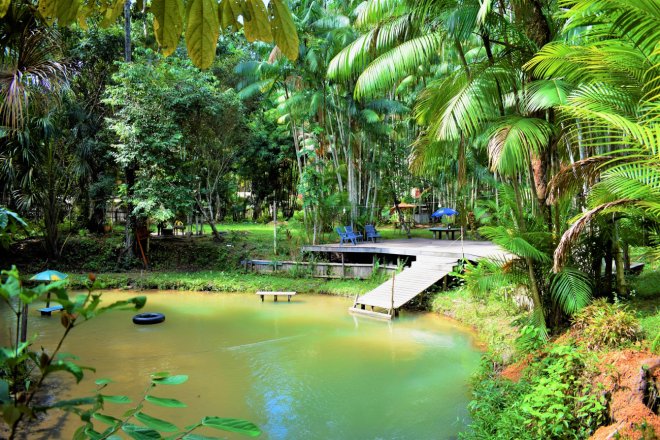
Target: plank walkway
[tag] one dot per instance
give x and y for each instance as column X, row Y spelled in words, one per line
column 417, row 247
column 422, row 274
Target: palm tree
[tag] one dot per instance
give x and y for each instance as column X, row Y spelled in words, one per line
column 613, row 73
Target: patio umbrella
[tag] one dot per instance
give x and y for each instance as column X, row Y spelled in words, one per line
column 444, row 211
column 49, row 275
column 403, row 205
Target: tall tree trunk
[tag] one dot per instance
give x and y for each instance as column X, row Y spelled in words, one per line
column 620, row 263
column 127, row 31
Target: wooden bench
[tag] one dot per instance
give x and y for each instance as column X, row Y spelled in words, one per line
column 46, row 311
column 276, row 294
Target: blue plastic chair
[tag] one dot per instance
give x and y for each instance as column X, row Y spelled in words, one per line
column 355, row 235
column 371, row 232
column 344, row 237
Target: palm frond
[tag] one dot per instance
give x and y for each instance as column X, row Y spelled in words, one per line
column 375, row 11
column 357, row 55
column 513, row 242
column 545, row 94
column 562, row 251
column 571, row 177
column 571, row 289
column 389, row 68
column 512, row 139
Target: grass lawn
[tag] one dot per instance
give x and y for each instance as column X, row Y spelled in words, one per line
column 646, row 301
column 217, row 281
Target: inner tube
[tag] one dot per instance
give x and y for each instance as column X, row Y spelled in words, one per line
column 148, row 318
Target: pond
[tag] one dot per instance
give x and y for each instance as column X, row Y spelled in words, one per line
column 299, row 370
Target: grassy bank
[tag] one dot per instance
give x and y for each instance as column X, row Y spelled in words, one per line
column 215, row 281
column 492, row 319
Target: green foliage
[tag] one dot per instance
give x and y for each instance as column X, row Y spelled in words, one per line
column 554, row 400
column 24, row 368
column 204, row 23
column 10, row 222
column 606, row 325
column 571, row 289
column 562, row 402
column 491, row 316
column 149, row 427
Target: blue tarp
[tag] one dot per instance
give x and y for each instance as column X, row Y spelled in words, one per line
column 444, row 211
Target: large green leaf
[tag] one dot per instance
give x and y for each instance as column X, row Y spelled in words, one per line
column 232, row 425
column 48, row 10
column 257, row 27
column 108, row 420
column 4, row 7
column 284, row 30
column 117, row 399
column 228, row 14
column 168, row 23
column 67, row 11
column 571, row 289
column 202, row 32
column 170, row 380
column 154, row 423
column 140, row 433
column 237, row 13
column 165, row 402
column 112, row 12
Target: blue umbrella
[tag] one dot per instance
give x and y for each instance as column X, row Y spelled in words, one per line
column 49, row 275
column 444, row 211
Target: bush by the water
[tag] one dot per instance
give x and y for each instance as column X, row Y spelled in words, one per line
column 103, row 253
column 606, row 325
column 555, row 400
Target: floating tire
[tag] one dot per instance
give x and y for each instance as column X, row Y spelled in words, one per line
column 148, row 318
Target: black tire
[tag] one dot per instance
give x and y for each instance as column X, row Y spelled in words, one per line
column 148, row 318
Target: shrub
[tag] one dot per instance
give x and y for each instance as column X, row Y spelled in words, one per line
column 554, row 400
column 606, row 325
column 562, row 402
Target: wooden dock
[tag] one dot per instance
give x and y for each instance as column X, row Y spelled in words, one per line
column 433, row 260
column 416, row 247
column 386, row 299
column 288, row 295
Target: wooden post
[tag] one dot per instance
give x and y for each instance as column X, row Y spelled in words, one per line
column 275, row 228
column 343, row 268
column 24, row 323
column 392, row 297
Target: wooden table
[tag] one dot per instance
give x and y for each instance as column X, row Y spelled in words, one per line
column 276, row 294
column 437, row 232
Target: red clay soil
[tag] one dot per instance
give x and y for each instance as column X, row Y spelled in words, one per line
column 514, row 372
column 622, row 374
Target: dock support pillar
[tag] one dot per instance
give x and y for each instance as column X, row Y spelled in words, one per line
column 343, row 267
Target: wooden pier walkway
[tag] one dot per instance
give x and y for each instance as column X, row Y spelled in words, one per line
column 385, row 300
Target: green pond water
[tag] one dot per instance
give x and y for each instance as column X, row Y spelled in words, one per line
column 300, row 370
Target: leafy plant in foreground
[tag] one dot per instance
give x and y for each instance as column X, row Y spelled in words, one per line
column 24, row 369
column 23, row 372
column 139, row 425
